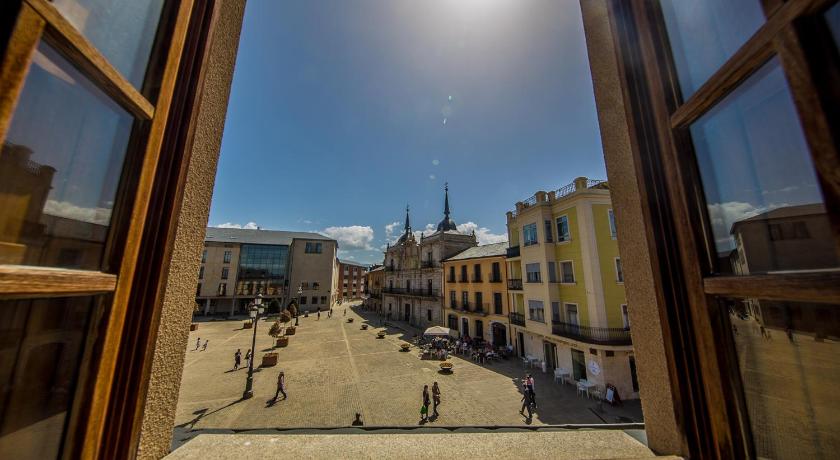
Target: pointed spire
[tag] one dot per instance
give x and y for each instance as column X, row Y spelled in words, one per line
column 446, row 201
column 407, row 222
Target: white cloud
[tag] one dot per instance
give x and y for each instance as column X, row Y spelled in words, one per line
column 482, row 234
column 432, row 176
column 390, row 230
column 101, row 216
column 435, row 162
column 248, row 226
column 307, row 222
column 351, row 237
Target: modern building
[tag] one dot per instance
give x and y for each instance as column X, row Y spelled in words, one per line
column 476, row 303
column 351, row 280
column 375, row 280
column 238, row 264
column 414, row 274
column 566, row 285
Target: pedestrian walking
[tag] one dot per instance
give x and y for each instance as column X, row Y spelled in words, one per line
column 345, row 312
column 319, row 315
column 424, row 409
column 281, row 386
column 197, row 343
column 435, row 398
column 248, row 357
column 205, row 344
column 237, row 359
column 529, row 381
column 329, row 313
column 527, row 401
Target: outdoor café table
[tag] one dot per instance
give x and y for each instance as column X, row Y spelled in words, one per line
column 588, row 386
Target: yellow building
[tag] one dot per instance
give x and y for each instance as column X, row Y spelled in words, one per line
column 476, row 303
column 566, row 286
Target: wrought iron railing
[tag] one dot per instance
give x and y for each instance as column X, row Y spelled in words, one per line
column 419, row 292
column 515, row 284
column 594, row 335
column 512, row 252
column 517, row 318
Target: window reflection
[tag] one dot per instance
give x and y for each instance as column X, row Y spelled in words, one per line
column 122, row 30
column 764, row 203
column 833, row 19
column 41, row 353
column 59, row 168
column 263, row 269
column 704, row 34
column 787, row 355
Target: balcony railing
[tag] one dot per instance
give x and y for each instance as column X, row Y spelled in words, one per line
column 453, row 304
column 517, row 318
column 515, row 284
column 412, row 292
column 463, row 279
column 429, row 264
column 476, row 279
column 450, row 279
column 496, row 278
column 512, row 252
column 593, row 335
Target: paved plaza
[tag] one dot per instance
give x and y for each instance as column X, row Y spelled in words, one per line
column 335, row 369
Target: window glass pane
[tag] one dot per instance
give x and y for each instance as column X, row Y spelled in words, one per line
column 704, row 34
column 788, row 359
column 122, row 30
column 59, row 168
column 763, row 200
column 833, row 18
column 43, row 349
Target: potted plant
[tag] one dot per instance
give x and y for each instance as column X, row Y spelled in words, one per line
column 364, row 327
column 446, row 366
column 269, row 359
column 405, row 347
column 381, row 335
column 247, row 325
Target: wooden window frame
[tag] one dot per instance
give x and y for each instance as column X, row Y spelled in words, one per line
column 155, row 176
column 704, row 375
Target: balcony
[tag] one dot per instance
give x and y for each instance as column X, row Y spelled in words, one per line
column 517, row 318
column 512, row 252
column 593, row 335
column 463, row 279
column 495, row 278
column 476, row 279
column 453, row 304
column 429, row 264
column 515, row 284
column 434, row 293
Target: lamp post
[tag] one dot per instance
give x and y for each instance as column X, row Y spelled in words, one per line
column 297, row 310
column 254, row 312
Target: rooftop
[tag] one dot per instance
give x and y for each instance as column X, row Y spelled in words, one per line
column 247, row 236
column 487, row 250
column 351, row 262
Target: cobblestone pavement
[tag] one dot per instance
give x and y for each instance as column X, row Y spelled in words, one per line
column 334, row 369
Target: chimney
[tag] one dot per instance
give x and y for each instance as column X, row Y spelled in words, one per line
column 580, row 183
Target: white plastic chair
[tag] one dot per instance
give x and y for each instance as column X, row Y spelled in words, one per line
column 558, row 375
column 581, row 389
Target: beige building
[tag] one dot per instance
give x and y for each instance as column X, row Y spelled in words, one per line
column 476, row 302
column 238, row 264
column 566, row 284
column 414, row 274
column 375, row 279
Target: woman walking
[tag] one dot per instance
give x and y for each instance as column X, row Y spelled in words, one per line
column 424, row 409
column 435, row 398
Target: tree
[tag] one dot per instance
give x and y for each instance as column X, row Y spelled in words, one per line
column 275, row 329
column 274, row 306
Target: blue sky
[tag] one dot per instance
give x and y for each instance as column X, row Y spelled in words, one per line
column 343, row 112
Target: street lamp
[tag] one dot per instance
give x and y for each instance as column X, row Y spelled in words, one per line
column 297, row 310
column 254, row 312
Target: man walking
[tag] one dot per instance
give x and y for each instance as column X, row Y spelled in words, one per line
column 237, row 358
column 529, row 382
column 281, row 386
column 435, row 398
column 205, row 345
column 527, row 401
column 248, row 357
column 319, row 315
column 197, row 343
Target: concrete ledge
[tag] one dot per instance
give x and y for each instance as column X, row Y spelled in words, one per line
column 556, row 445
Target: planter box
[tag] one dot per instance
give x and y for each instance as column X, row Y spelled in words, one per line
column 282, row 341
column 290, row 330
column 405, row 347
column 349, row 320
column 446, row 366
column 246, row 325
column 193, row 326
column 364, row 327
column 380, row 335
column 269, row 359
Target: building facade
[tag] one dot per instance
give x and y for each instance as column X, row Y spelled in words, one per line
column 566, row 285
column 375, row 280
column 352, row 277
column 238, row 264
column 413, row 272
column 475, row 290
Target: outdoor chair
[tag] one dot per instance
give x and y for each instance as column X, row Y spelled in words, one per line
column 558, row 375
column 581, row 389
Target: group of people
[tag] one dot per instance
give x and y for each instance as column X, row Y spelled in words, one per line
column 434, row 401
column 529, row 397
column 478, row 350
column 439, row 347
column 237, row 358
column 198, row 343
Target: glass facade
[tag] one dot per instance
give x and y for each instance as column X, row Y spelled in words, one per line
column 263, row 269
